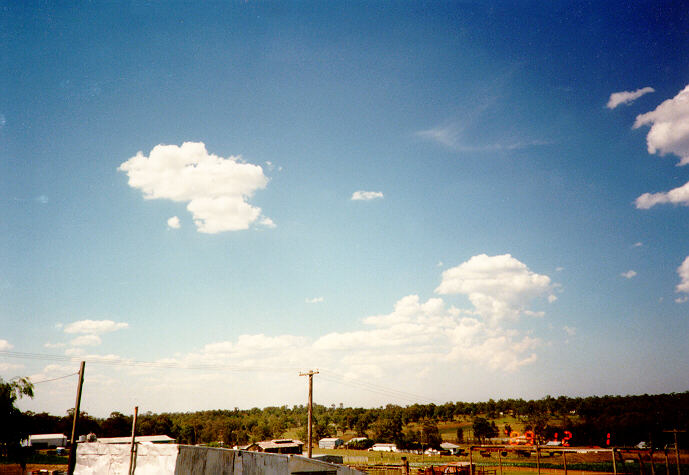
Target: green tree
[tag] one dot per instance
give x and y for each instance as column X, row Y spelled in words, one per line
column 483, row 429
column 12, row 424
column 430, row 435
column 387, row 430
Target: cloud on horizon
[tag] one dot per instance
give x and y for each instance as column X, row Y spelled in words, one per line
column 414, row 338
column 216, row 189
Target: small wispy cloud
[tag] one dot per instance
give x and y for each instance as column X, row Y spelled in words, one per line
column 86, row 340
column 173, row 223
column 265, row 221
column 681, row 299
column 637, row 244
column 95, row 327
column 683, row 272
column 629, row 274
column 626, row 97
column 570, row 331
column 42, row 199
column 315, row 300
column 452, row 136
column 54, row 345
column 366, row 195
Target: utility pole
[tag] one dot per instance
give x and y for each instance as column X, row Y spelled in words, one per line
column 72, row 460
column 132, row 453
column 675, row 432
column 310, row 375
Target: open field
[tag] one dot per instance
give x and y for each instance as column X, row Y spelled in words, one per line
column 512, row 463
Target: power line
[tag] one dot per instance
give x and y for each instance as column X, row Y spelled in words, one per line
column 329, row 375
column 147, row 364
column 54, row 379
column 375, row 388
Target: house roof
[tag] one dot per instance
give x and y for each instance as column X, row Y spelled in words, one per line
column 448, row 446
column 276, row 443
column 329, row 439
column 46, row 436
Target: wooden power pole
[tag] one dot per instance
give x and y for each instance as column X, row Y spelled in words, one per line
column 308, row 436
column 72, row 460
column 132, row 450
column 675, row 432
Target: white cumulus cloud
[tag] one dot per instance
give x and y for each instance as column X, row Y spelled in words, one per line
column 677, row 196
column 627, row 97
column 94, row 327
column 5, row 345
column 366, row 195
column 683, row 272
column 420, row 333
column 669, row 127
column 498, row 286
column 173, row 223
column 629, row 274
column 216, row 189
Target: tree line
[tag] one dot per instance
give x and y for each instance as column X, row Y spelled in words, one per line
column 621, row 420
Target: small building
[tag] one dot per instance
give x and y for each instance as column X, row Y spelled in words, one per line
column 47, row 441
column 384, row 448
column 359, row 443
column 330, row 443
column 454, row 449
column 278, row 446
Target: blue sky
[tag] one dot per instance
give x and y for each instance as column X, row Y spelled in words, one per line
column 428, row 201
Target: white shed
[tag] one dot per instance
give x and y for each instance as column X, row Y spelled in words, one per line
column 384, row 448
column 330, row 443
column 48, row 441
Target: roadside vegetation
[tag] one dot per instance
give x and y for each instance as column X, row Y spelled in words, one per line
column 617, row 420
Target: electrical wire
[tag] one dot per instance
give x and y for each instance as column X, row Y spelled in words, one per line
column 54, row 379
column 328, row 375
column 373, row 387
